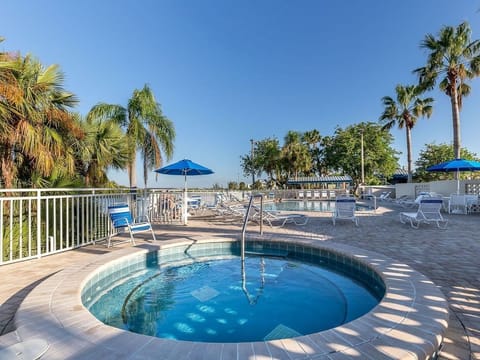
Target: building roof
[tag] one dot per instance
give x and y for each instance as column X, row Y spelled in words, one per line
column 319, row 179
column 400, row 174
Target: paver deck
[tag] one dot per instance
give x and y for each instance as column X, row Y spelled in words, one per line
column 448, row 257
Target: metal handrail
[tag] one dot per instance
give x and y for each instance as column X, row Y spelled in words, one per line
column 251, row 300
column 245, row 221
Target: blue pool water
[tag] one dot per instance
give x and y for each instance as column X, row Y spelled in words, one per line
column 314, row 205
column 210, row 301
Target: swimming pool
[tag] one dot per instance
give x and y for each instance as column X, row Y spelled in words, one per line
column 206, row 298
column 309, row 205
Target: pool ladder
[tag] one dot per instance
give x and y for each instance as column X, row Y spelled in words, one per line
column 251, row 300
column 245, row 221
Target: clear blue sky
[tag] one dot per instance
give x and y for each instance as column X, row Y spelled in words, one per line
column 229, row 71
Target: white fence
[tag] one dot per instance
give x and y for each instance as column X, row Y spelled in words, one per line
column 39, row 222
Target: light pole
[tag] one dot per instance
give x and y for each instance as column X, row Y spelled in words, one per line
column 252, row 154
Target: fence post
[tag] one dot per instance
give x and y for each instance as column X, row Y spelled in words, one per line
column 39, row 225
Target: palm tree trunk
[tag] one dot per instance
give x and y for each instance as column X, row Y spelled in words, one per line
column 7, row 167
column 456, row 124
column 132, row 174
column 452, row 78
column 409, row 153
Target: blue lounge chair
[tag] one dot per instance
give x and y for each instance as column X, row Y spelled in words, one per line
column 122, row 218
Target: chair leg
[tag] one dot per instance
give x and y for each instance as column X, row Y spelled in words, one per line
column 415, row 226
column 153, row 234
column 445, row 222
column 132, row 240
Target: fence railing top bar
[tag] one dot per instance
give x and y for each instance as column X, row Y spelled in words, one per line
column 62, row 189
column 58, row 191
column 137, row 191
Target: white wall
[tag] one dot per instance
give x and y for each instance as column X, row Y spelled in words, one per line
column 444, row 187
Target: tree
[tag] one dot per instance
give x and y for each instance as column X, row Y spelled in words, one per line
column 344, row 153
column 247, row 162
column 147, row 129
column 434, row 154
column 455, row 59
column 262, row 157
column 35, row 121
column 267, row 157
column 404, row 112
column 295, row 155
column 103, row 147
column 313, row 140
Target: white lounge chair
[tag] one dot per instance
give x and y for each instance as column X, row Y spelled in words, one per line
column 344, row 210
column 457, row 204
column 122, row 218
column 385, row 195
column 472, row 202
column 428, row 212
column 233, row 210
column 405, row 201
column 279, row 219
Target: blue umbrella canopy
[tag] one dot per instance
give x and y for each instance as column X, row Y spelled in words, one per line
column 456, row 165
column 186, row 168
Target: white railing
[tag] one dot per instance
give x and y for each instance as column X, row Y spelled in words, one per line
column 39, row 222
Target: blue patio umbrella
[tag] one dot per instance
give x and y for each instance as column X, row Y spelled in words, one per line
column 186, row 168
column 456, row 165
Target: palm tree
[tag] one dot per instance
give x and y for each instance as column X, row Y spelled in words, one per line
column 295, row 155
column 455, row 59
column 313, row 138
column 35, row 119
column 404, row 112
column 104, row 146
column 147, row 130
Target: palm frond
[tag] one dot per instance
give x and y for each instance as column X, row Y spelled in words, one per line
column 105, row 112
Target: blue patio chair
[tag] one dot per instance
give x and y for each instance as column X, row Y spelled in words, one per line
column 122, row 218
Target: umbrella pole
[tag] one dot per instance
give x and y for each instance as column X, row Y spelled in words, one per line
column 185, row 203
column 458, row 181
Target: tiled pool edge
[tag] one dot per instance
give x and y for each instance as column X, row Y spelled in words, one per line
column 409, row 322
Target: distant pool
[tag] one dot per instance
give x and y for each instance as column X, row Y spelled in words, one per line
column 313, row 205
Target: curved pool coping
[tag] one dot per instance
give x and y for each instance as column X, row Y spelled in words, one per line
column 408, row 323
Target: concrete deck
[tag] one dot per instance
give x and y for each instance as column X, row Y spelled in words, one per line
column 448, row 257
